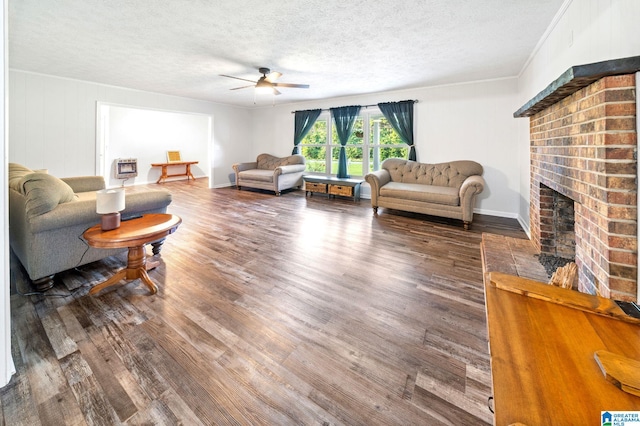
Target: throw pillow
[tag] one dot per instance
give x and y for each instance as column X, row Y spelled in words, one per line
column 44, row 192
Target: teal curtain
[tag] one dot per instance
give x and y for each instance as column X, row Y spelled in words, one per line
column 344, row 119
column 400, row 115
column 304, row 121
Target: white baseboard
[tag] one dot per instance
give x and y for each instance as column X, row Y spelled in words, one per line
column 496, row 213
column 223, row 185
column 525, row 226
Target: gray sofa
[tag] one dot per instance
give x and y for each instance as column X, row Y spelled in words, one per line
column 271, row 173
column 444, row 189
column 47, row 217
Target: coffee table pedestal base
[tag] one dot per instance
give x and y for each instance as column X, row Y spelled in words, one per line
column 137, row 267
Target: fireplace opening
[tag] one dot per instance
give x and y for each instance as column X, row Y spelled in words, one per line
column 558, row 237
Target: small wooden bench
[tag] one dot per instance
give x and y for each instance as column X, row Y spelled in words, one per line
column 164, row 166
column 333, row 186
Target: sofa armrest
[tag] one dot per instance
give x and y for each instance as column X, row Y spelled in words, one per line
column 85, row 183
column 240, row 167
column 291, row 168
column 377, row 180
column 472, row 186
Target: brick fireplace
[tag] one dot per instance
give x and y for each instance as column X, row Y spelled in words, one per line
column 583, row 181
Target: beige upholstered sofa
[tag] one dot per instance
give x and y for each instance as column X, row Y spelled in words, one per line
column 271, row 173
column 444, row 189
column 47, row 217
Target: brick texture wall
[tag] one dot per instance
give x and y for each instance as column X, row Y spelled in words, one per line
column 584, row 147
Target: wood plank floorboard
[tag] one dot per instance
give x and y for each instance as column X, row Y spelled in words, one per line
column 287, row 310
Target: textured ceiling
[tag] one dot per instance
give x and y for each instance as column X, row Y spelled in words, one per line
column 338, row 47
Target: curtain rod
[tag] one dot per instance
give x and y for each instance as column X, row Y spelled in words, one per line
column 363, row 106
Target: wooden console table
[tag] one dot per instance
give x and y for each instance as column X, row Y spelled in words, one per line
column 333, row 186
column 543, row 341
column 164, row 175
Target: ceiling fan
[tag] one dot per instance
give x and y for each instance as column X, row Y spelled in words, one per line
column 267, row 83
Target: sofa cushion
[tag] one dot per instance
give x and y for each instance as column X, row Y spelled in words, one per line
column 426, row 193
column 44, row 192
column 259, row 175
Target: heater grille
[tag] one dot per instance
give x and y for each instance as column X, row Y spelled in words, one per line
column 126, row 168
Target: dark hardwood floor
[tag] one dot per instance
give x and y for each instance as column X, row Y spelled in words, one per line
column 270, row 311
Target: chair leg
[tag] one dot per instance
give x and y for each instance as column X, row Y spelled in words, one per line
column 467, row 225
column 375, row 210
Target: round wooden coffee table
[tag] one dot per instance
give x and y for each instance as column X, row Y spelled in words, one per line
column 133, row 234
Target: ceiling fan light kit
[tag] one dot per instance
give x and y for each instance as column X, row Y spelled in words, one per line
column 264, row 87
column 266, row 84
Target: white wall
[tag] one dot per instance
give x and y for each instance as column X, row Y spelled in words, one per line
column 583, row 32
column 52, row 124
column 471, row 121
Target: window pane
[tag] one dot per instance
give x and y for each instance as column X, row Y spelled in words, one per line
column 382, row 133
column 315, row 158
column 378, row 155
column 318, row 133
column 335, row 152
column 354, row 161
column 356, row 137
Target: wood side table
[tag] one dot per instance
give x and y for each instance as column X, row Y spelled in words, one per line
column 133, row 234
column 165, row 175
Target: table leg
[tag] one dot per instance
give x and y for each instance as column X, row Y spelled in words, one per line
column 153, row 288
column 116, row 278
column 136, row 268
column 164, row 175
column 189, row 175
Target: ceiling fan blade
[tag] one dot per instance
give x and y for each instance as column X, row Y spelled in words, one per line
column 242, row 87
column 273, row 76
column 237, row 78
column 276, row 91
column 299, row 86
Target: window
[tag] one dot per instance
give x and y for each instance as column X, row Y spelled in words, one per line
column 314, row 146
column 385, row 142
column 368, row 146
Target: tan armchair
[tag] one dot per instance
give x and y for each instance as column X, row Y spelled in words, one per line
column 271, row 173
